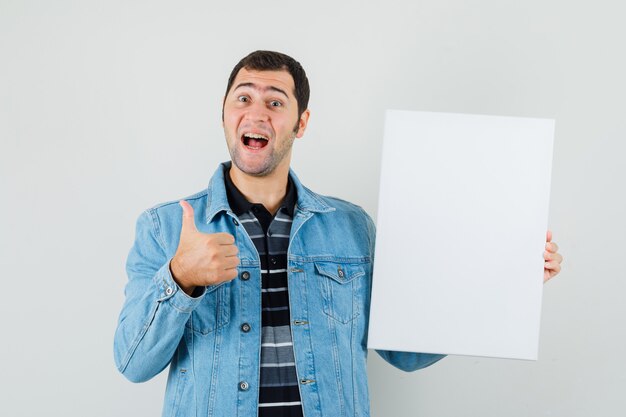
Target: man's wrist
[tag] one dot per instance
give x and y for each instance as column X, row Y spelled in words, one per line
column 176, row 272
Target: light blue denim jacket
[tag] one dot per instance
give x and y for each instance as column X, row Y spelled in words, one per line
column 214, row 365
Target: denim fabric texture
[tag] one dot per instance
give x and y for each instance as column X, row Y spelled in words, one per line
column 213, row 364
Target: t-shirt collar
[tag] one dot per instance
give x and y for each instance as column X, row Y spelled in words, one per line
column 239, row 205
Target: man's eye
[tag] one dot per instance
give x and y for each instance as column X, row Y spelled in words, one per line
column 243, row 99
column 275, row 103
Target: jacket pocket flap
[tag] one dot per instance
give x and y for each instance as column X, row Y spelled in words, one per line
column 342, row 273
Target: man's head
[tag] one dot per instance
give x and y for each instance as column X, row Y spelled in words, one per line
column 265, row 109
column 275, row 61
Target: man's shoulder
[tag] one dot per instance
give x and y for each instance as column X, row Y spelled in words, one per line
column 164, row 220
column 212, row 197
column 192, row 199
column 171, row 208
column 344, row 207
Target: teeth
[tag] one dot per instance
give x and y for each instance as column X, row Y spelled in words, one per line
column 255, row 136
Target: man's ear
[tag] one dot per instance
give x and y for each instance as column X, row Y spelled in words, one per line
column 302, row 123
column 223, row 103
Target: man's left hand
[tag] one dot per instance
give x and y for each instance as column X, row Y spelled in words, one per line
column 553, row 258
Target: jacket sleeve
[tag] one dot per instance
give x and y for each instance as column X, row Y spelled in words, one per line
column 409, row 361
column 152, row 321
column 406, row 361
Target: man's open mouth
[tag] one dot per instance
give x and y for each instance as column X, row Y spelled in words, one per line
column 254, row 140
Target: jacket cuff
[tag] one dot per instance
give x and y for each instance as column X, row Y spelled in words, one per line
column 169, row 291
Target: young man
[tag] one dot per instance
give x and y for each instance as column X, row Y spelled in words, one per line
column 256, row 291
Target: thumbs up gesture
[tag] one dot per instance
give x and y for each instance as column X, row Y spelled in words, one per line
column 202, row 259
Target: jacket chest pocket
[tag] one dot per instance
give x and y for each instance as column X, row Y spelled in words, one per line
column 213, row 311
column 341, row 285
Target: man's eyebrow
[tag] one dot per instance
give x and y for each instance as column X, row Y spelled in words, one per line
column 256, row 87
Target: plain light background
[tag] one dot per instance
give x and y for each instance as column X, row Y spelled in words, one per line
column 107, row 108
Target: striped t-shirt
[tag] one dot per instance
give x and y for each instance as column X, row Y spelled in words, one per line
column 279, row 395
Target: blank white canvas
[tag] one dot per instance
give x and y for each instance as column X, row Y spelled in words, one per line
column 462, row 221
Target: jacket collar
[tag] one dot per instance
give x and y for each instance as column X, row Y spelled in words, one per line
column 217, row 201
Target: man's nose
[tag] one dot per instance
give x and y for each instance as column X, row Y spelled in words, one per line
column 257, row 113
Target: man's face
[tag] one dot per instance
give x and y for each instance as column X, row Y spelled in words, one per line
column 261, row 121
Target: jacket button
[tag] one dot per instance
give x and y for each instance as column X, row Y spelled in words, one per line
column 245, row 327
column 340, row 273
column 243, row 385
column 235, row 221
column 169, row 291
column 245, row 275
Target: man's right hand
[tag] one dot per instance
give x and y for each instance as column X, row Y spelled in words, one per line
column 202, row 259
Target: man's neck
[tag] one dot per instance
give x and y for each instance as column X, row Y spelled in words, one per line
column 269, row 190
